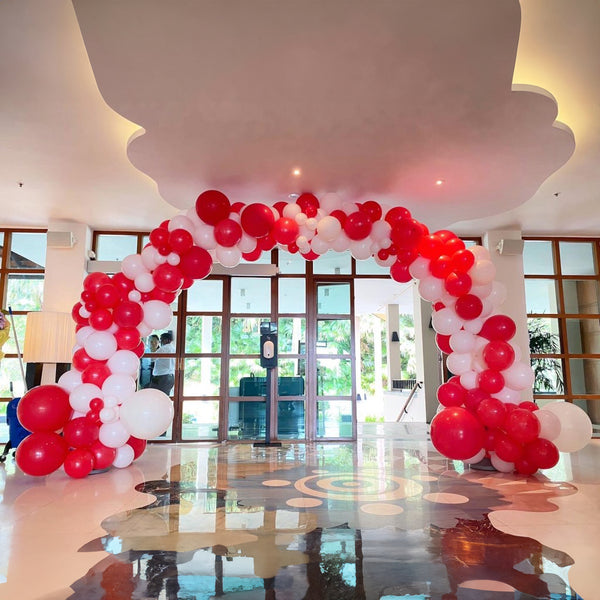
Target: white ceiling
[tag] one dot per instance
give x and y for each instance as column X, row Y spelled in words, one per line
column 119, row 113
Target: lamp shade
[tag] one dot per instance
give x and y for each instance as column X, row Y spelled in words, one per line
column 49, row 337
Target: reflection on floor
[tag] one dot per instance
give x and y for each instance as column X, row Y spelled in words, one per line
column 386, row 517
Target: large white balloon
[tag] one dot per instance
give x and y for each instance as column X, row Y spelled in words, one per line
column 228, row 257
column 549, row 424
column 119, row 385
column 518, row 376
column 482, row 272
column 319, row 245
column 147, row 413
column 329, row 228
column 125, row 362
column 431, row 288
column 181, row 222
column 341, row 243
column 80, row 397
column 446, row 321
column 113, row 435
column 462, row 341
column 150, row 257
column 70, row 380
column 419, row 268
column 458, row 363
column 204, row 236
column 83, row 335
column 144, row 282
column 575, row 426
column 133, row 265
column 100, row 345
column 157, row 314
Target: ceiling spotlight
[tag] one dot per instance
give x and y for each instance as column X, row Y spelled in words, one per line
column 296, row 172
column 439, row 182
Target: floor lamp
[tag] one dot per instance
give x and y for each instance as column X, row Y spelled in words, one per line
column 49, row 339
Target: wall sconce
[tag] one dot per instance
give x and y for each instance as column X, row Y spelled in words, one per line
column 395, row 337
column 49, row 339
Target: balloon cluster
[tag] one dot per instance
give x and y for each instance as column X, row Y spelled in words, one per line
column 94, row 418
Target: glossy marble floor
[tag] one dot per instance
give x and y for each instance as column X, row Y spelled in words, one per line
column 386, row 517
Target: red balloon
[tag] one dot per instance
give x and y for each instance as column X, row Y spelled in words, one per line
column 107, row 295
column 140, row 349
column 267, row 242
column 81, row 360
column 128, row 314
column 212, row 206
column 41, row 453
column 506, row 448
column 491, row 412
column 405, row 255
column 396, row 214
column 451, row 393
column 159, row 237
column 285, row 230
column 498, row 327
column 406, row 233
column 358, row 225
column 80, row 433
column 127, row 338
column 440, row 266
column 138, row 446
column 180, row 240
column 79, row 463
column 101, row 319
column 490, row 381
column 237, row 207
column 340, row 215
column 308, row 203
column 168, row 278
column 430, row 246
column 462, row 260
column 76, row 316
column 542, row 453
column 123, row 284
column 103, row 456
column 456, row 433
column 489, row 441
column 443, row 343
column 468, row 307
column 95, row 373
column 522, row 425
column 453, row 245
column 399, row 272
column 44, row 408
column 531, row 406
column 257, row 220
column 524, row 466
column 228, row 233
column 383, row 254
column 254, row 255
column 458, row 283
column 279, row 206
column 196, row 263
column 310, row 255
column 94, row 280
column 498, row 355
column 372, row 209
column 473, row 398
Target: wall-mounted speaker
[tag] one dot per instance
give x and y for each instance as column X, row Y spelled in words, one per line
column 510, row 247
column 60, row 239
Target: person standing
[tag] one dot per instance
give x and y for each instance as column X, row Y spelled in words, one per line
column 163, row 372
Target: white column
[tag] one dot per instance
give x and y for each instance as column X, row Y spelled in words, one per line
column 394, row 365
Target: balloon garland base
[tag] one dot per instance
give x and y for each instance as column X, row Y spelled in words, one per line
column 485, row 464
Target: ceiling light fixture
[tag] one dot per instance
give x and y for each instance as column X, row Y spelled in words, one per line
column 439, row 182
column 296, row 172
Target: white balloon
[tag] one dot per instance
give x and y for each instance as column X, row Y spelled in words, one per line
column 388, row 262
column 498, row 293
column 181, row 222
column 431, row 288
column 473, row 326
column 150, row 257
column 113, row 435
column 125, row 362
column 341, row 243
column 575, row 426
column 501, row 465
column 110, row 401
column 132, row 266
column 479, row 252
column 459, row 363
column 291, row 210
column 144, row 329
column 144, row 282
column 482, row 291
column 228, row 257
column 134, row 296
column 100, row 345
column 462, row 341
column 549, row 424
column 361, row 249
column 70, row 380
column 482, row 272
column 83, row 334
column 329, row 228
column 518, row 376
column 173, row 258
column 147, row 413
column 109, row 415
column 446, row 321
column 80, row 396
column 311, row 223
column 247, row 243
column 301, row 219
column 508, row 395
column 469, row 380
column 381, row 230
column 119, row 385
column 204, row 236
column 330, row 202
column 419, row 268
column 319, row 245
column 157, row 314
column 83, row 312
column 307, row 232
column 123, row 457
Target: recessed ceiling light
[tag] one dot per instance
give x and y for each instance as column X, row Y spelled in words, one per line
column 440, row 182
column 296, row 172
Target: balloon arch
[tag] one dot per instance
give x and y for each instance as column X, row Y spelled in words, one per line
column 94, row 418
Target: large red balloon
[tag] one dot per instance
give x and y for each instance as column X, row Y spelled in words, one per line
column 451, row 393
column 95, row 373
column 542, row 453
column 498, row 355
column 308, row 203
column 168, row 278
column 506, row 448
column 358, row 225
column 212, row 206
column 285, row 230
column 491, row 412
column 406, row 233
column 180, row 240
column 458, row 283
column 498, row 327
column 228, row 233
column 80, row 433
column 399, row 272
column 101, row 318
column 44, row 408
column 79, row 463
column 430, row 246
column 107, row 295
column 257, row 220
column 468, row 307
column 94, row 280
column 372, row 209
column 462, row 260
column 396, row 214
column 103, row 456
column 522, row 425
column 490, row 381
column 196, row 263
column 76, row 316
column 440, row 266
column 456, row 433
column 41, row 453
column 128, row 338
column 128, row 314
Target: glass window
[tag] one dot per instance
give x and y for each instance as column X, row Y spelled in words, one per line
column 246, row 420
column 538, row 257
column 585, row 375
column 370, row 267
column 27, row 250
column 200, row 420
column 250, row 295
column 548, row 374
column 583, row 336
column 334, row 377
column 203, row 334
column 333, row 336
column 115, row 247
column 246, row 377
column 202, row 377
column 334, row 419
column 333, row 263
column 291, row 264
column 25, row 292
column 540, row 296
column 291, row 367
column 292, row 295
column 333, row 298
column 544, row 336
column 290, row 419
column 580, row 296
column 9, row 346
column 577, row 258
column 172, row 328
column 10, row 374
column 205, row 296
column 291, row 335
column 245, row 335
